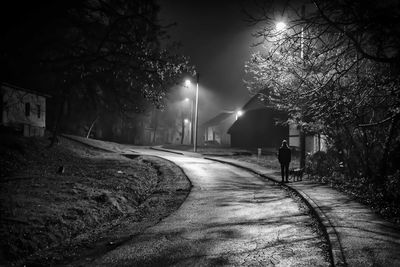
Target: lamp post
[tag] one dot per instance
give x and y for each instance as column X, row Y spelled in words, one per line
column 196, row 113
column 190, row 102
column 281, row 26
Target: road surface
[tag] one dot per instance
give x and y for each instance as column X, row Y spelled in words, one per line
column 231, row 217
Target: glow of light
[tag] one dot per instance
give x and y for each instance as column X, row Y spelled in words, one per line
column 280, row 26
column 238, row 114
column 186, row 99
column 186, row 121
column 187, row 83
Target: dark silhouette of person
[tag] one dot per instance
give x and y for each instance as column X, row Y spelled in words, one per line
column 284, row 157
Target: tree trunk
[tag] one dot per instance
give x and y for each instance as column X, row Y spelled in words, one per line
column 302, row 148
column 155, row 126
column 183, row 130
column 91, row 126
column 385, row 156
column 63, row 95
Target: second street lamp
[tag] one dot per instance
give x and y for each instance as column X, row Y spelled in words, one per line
column 196, row 113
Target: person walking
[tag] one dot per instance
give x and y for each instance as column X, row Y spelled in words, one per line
column 284, row 157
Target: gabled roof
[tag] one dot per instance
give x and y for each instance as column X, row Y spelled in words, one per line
column 257, row 101
column 217, row 119
column 24, row 89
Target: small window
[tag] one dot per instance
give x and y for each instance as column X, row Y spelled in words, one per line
column 27, row 109
column 38, row 111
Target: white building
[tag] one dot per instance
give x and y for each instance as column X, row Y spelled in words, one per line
column 23, row 110
column 314, row 143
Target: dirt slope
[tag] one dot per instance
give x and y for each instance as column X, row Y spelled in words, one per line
column 70, row 201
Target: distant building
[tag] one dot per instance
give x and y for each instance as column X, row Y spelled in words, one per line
column 259, row 126
column 262, row 126
column 23, row 110
column 216, row 129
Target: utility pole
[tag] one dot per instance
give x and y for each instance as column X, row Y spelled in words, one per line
column 196, row 116
column 302, row 134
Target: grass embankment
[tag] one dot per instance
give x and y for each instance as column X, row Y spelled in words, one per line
column 56, row 201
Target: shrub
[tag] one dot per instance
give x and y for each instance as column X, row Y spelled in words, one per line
column 322, row 164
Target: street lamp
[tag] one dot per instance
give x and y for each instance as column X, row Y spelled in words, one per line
column 281, row 26
column 238, row 114
column 196, row 113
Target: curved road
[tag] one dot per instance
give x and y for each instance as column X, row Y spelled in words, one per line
column 231, row 217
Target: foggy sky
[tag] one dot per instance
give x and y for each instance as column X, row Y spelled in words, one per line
column 217, row 40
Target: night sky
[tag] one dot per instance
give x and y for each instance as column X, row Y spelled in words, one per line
column 217, row 40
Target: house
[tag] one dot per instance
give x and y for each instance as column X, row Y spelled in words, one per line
column 23, row 110
column 263, row 126
column 259, row 126
column 216, row 129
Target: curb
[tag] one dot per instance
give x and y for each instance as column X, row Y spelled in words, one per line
column 166, row 150
column 335, row 248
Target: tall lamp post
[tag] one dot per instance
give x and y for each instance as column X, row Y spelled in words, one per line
column 281, row 26
column 196, row 113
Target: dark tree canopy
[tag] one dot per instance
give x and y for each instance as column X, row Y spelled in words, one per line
column 116, row 44
column 335, row 69
column 100, row 55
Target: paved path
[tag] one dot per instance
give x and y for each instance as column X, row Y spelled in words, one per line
column 231, row 217
column 358, row 236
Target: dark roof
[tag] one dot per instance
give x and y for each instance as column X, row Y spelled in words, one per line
column 257, row 101
column 25, row 90
column 217, row 119
column 274, row 113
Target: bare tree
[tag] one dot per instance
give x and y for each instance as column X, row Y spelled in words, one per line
column 106, row 56
column 335, row 69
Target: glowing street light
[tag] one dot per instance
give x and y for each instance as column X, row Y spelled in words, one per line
column 238, row 114
column 280, row 26
column 196, row 114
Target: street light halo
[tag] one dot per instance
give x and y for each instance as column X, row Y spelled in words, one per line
column 280, row 26
column 187, row 82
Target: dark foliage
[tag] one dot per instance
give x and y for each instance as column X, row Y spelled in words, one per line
column 97, row 58
column 382, row 198
column 335, row 69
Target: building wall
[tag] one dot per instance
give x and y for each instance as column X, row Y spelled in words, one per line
column 219, row 132
column 257, row 128
column 315, row 143
column 24, row 110
column 294, row 136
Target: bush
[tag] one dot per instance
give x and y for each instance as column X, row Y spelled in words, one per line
column 392, row 187
column 322, row 164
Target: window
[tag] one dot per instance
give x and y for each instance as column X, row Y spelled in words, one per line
column 27, row 109
column 38, row 111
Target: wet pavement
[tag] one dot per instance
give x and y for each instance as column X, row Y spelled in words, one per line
column 357, row 236
column 231, row 217
column 240, row 219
